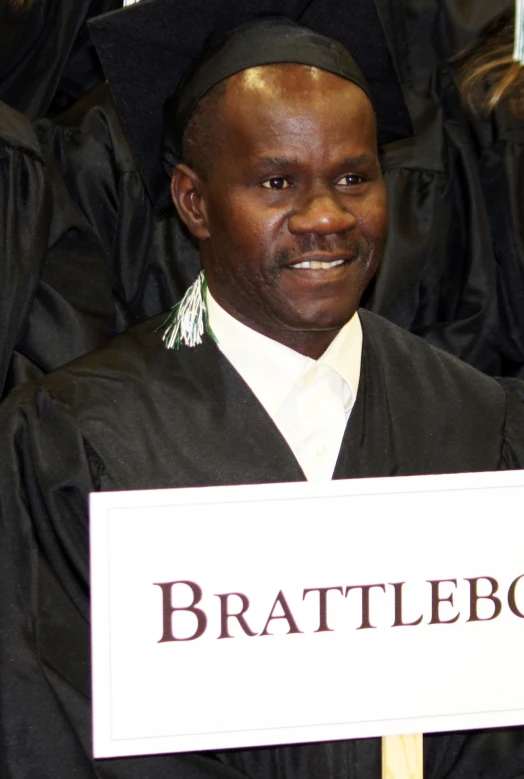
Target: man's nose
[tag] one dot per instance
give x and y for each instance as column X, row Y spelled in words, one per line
column 321, row 212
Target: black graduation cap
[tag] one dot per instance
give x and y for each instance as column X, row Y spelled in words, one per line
column 148, row 49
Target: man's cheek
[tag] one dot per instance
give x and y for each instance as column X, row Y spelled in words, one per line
column 373, row 224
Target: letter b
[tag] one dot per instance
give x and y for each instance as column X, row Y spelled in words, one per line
column 168, row 609
column 474, row 598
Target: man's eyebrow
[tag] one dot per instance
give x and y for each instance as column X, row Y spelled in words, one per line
column 269, row 162
column 358, row 161
column 266, row 162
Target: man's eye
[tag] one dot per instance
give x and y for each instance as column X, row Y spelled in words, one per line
column 276, row 183
column 351, row 180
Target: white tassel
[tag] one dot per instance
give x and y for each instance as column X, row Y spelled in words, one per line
column 187, row 318
column 518, row 51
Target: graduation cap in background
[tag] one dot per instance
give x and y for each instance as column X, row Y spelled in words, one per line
column 155, row 48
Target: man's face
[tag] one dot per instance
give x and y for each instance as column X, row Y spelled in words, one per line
column 292, row 215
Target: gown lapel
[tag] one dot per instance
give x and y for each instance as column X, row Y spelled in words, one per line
column 368, row 444
column 238, row 442
column 418, row 410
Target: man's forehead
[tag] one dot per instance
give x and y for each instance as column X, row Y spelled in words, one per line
column 277, row 75
column 282, row 98
column 279, row 93
column 285, row 78
column 176, row 62
column 294, row 140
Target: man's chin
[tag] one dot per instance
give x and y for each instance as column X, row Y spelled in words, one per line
column 281, row 316
column 325, row 317
column 325, row 325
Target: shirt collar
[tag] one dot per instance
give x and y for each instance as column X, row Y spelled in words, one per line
column 272, row 369
column 344, row 355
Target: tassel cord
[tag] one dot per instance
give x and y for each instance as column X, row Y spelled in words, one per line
column 188, row 319
column 518, row 51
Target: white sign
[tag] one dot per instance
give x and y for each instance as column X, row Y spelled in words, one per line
column 241, row 616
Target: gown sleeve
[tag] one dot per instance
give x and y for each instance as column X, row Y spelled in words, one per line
column 47, row 469
column 24, row 228
column 152, row 260
column 500, row 141
column 54, row 277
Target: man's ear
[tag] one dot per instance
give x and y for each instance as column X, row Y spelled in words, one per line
column 186, row 191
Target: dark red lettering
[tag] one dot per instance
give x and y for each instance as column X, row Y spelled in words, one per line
column 474, row 598
column 287, row 615
column 512, row 600
column 397, row 586
column 366, row 589
column 436, row 600
column 168, row 610
column 225, row 615
column 322, row 604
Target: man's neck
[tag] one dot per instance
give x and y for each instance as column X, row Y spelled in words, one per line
column 309, row 343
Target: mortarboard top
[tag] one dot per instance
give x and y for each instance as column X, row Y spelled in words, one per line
column 149, row 48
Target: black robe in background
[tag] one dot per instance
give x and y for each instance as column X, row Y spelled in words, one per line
column 47, row 60
column 151, row 258
column 454, row 272
column 444, row 266
column 136, row 416
column 500, row 149
column 55, row 294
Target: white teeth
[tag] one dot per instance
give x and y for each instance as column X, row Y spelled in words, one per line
column 317, row 265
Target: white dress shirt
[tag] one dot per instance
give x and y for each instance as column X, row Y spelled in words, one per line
column 308, row 400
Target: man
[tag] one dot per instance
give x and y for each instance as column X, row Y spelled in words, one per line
column 439, row 274
column 281, row 187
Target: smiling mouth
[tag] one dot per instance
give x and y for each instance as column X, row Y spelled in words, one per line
column 317, row 264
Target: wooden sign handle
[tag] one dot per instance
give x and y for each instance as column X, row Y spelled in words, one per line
column 402, row 757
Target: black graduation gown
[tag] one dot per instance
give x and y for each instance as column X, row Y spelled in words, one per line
column 55, row 292
column 136, row 416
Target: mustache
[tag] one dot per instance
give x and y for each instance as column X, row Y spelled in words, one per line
column 311, row 244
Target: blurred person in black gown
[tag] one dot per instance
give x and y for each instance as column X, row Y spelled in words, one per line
column 56, row 301
column 452, row 249
column 441, row 268
column 151, row 258
column 47, row 61
column 281, row 187
column 455, row 270
column 490, row 83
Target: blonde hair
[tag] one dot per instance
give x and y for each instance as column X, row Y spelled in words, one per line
column 487, row 73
